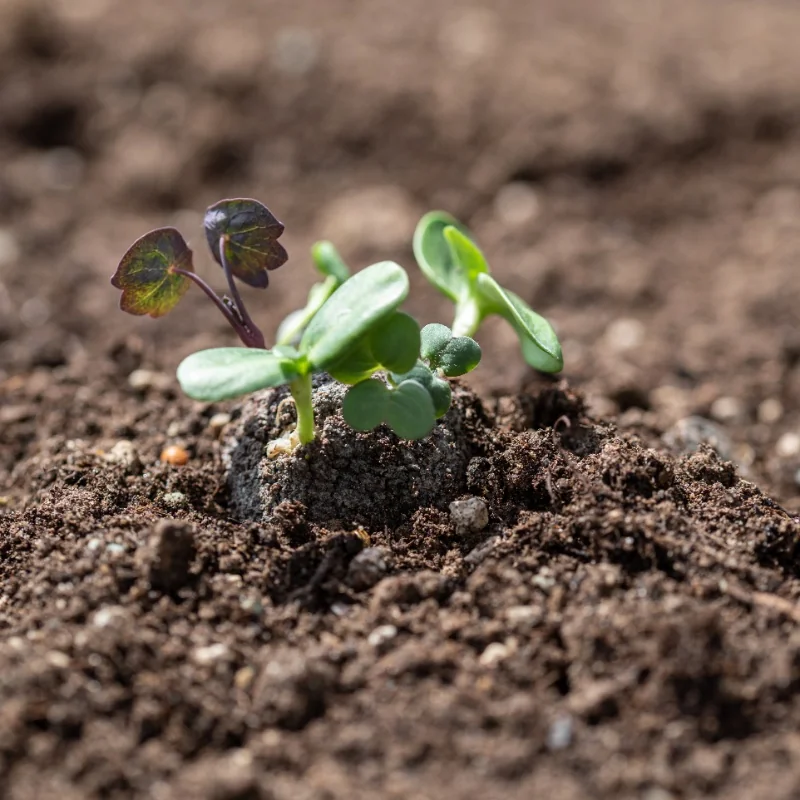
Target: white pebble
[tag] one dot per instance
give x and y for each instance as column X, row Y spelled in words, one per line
column 517, row 204
column 57, row 659
column 494, row 654
column 381, row 635
column 523, row 615
column 148, row 379
column 559, row 735
column 210, row 653
column 219, row 421
column 108, row 616
column 788, row 445
column 470, row 515
column 624, row 334
column 726, row 409
column 770, row 411
column 123, row 452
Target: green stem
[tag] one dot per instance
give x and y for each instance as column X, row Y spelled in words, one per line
column 467, row 319
column 301, row 392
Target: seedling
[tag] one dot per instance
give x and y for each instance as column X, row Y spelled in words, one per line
column 158, row 268
column 350, row 328
column 452, row 262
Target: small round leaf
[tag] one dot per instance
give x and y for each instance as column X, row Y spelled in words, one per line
column 147, row 273
column 410, row 413
column 352, row 310
column 226, row 372
column 365, row 405
column 437, row 388
column 395, row 342
column 453, row 355
column 251, row 235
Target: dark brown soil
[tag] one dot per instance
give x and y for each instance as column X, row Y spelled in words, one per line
column 627, row 624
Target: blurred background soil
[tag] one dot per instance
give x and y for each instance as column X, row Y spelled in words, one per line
column 630, row 167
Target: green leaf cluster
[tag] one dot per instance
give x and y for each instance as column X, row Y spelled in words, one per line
column 453, row 263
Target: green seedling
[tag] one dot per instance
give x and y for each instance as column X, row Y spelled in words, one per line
column 351, row 326
column 453, row 263
column 158, row 268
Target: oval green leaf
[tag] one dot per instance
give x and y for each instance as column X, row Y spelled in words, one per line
column 540, row 345
column 395, row 342
column 251, row 233
column 328, row 261
column 454, row 355
column 147, row 273
column 435, row 255
column 352, row 310
column 437, row 388
column 226, row 372
column 365, row 404
column 410, row 413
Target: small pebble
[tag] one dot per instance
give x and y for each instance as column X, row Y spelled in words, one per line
column 170, row 551
column 219, row 421
column 366, row 569
column 687, row 434
column 175, row 455
column 125, row 454
column 727, row 409
column 243, row 678
column 295, row 51
column 523, row 615
column 517, row 204
column 114, row 548
column 210, row 653
column 559, row 735
column 174, row 500
column 494, row 654
column 57, row 659
column 770, row 411
column 470, row 515
column 175, row 428
column 624, row 334
column 381, row 635
column 141, row 379
column 109, row 616
column 788, row 445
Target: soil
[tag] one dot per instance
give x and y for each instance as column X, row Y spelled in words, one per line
column 626, row 625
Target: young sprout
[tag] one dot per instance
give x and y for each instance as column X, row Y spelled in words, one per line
column 158, row 270
column 452, row 262
column 350, row 328
column 330, row 265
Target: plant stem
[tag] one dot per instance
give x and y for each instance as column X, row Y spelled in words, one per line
column 243, row 332
column 467, row 319
column 256, row 334
column 301, row 392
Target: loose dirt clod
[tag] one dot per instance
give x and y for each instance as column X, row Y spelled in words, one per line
column 171, row 550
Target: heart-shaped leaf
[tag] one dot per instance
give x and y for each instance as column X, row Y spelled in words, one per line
column 453, row 355
column 147, row 273
column 437, row 388
column 226, row 372
column 351, row 312
column 407, row 409
column 540, row 345
column 250, row 233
